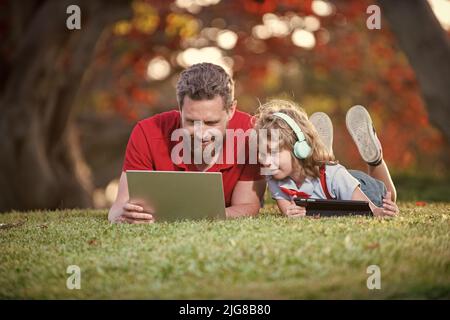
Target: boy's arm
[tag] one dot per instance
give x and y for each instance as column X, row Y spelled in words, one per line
column 290, row 209
column 283, row 205
column 389, row 208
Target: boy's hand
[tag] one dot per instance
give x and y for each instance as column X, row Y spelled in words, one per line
column 389, row 208
column 295, row 211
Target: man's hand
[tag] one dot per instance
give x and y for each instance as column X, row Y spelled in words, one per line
column 135, row 214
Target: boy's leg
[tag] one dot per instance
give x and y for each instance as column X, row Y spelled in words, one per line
column 360, row 127
column 381, row 172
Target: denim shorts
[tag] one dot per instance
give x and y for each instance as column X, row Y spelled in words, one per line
column 373, row 188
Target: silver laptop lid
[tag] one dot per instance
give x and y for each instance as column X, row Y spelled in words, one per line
column 178, row 195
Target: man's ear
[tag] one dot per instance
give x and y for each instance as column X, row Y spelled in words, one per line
column 181, row 115
column 232, row 110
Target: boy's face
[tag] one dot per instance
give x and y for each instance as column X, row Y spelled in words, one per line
column 280, row 165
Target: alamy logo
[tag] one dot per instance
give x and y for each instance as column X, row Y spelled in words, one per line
column 74, row 280
column 73, row 22
column 374, row 20
column 242, row 147
column 374, row 280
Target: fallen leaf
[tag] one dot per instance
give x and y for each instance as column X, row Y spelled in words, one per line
column 374, row 245
column 421, row 203
column 93, row 242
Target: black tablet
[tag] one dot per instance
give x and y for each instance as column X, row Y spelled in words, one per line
column 330, row 208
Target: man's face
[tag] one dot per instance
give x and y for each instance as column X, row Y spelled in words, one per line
column 211, row 114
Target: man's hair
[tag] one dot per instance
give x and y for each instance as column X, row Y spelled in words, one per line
column 205, row 81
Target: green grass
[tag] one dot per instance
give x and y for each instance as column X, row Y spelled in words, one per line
column 268, row 257
column 423, row 187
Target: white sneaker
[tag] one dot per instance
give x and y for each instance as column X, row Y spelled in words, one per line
column 360, row 126
column 324, row 127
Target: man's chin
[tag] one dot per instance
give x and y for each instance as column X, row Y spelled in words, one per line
column 276, row 174
column 281, row 175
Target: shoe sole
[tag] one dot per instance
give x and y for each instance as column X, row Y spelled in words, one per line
column 359, row 125
column 324, row 127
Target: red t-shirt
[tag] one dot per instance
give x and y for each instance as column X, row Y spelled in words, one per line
column 150, row 146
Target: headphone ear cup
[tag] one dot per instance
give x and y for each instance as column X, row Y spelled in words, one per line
column 302, row 150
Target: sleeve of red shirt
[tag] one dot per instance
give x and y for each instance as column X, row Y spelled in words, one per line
column 137, row 154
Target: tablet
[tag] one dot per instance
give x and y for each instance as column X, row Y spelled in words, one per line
column 330, row 208
column 178, row 195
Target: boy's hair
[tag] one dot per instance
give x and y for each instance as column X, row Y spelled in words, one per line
column 264, row 119
column 205, row 81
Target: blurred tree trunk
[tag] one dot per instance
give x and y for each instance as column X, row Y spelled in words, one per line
column 41, row 163
column 427, row 47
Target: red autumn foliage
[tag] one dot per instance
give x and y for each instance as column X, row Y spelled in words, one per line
column 356, row 66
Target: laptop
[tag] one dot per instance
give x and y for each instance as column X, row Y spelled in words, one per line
column 332, row 208
column 178, row 195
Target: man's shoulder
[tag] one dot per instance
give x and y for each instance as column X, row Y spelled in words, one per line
column 161, row 124
column 241, row 120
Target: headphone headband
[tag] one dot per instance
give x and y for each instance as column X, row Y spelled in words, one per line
column 294, row 126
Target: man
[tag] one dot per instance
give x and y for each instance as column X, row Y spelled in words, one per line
column 205, row 97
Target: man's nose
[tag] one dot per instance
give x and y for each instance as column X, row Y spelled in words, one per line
column 265, row 160
column 199, row 132
column 203, row 134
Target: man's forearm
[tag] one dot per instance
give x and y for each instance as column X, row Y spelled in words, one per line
column 115, row 211
column 242, row 210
